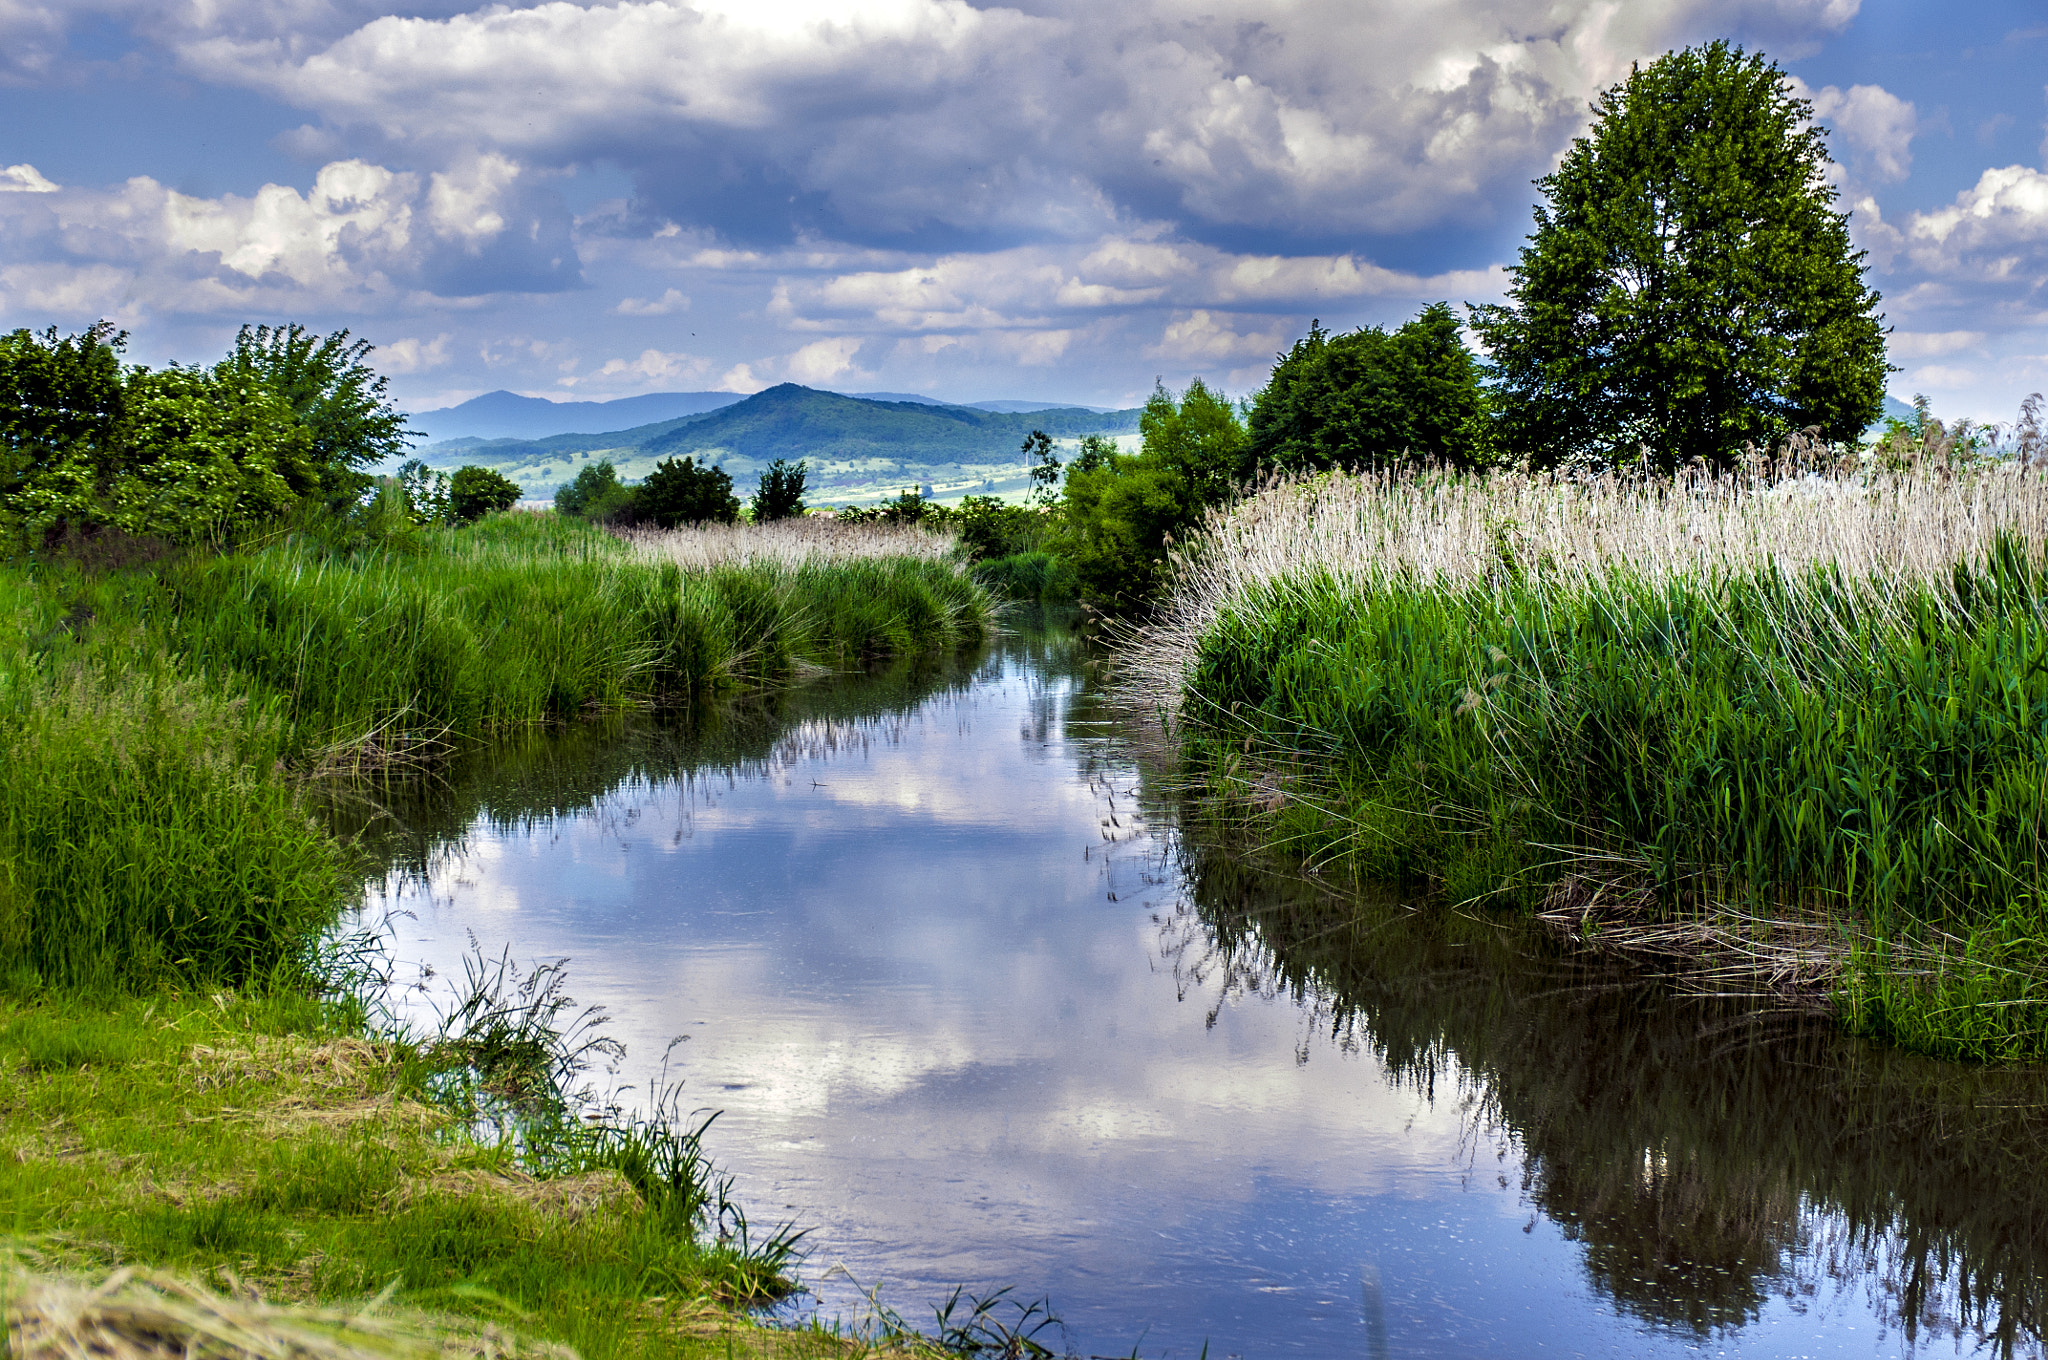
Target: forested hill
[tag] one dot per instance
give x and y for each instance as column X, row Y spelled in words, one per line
column 853, row 443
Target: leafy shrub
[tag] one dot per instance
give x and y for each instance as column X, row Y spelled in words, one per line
column 477, row 491
column 1121, row 514
column 781, row 494
column 1372, row 398
column 596, row 493
column 680, row 491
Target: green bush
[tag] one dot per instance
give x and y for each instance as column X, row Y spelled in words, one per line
column 781, row 493
column 595, row 493
column 1122, row 514
column 478, row 491
column 186, row 454
column 679, row 491
column 1371, row 398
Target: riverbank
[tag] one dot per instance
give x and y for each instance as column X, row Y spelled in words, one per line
column 1783, row 734
column 191, row 1077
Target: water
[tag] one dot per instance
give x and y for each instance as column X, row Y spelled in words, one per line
column 978, row 1011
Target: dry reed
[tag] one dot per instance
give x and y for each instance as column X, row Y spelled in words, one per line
column 1885, row 529
column 135, row 1315
column 807, row 541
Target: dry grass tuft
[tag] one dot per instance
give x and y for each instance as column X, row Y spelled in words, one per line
column 566, row 1197
column 1889, row 528
column 808, row 541
column 136, row 1315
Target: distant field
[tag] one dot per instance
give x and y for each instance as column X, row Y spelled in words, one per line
column 860, row 451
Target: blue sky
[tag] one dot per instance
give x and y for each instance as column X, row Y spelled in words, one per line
column 1055, row 199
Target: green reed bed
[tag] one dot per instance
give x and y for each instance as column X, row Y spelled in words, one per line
column 1794, row 779
column 160, row 730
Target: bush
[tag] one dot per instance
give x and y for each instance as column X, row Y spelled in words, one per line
column 1371, row 398
column 596, row 493
column 477, row 491
column 1122, row 514
column 781, row 493
column 286, row 420
column 679, row 491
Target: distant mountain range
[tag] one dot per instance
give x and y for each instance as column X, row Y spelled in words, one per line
column 507, row 415
column 859, row 448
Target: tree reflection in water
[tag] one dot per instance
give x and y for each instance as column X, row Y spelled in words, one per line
column 1706, row 1156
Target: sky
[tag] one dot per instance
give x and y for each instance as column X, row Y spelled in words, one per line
column 1057, row 199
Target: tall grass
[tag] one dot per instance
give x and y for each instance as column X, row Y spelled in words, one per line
column 1798, row 726
column 157, row 728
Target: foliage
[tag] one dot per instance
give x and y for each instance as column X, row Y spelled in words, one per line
column 781, row 493
column 188, row 454
column 1371, row 398
column 1038, row 576
column 595, row 493
column 678, row 491
column 426, row 492
column 475, row 491
column 988, row 528
column 340, row 402
column 1045, row 468
column 1122, row 514
column 1690, row 287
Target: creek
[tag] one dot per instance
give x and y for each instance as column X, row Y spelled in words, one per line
column 980, row 1006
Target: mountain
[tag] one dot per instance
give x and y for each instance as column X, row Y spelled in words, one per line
column 507, row 415
column 858, row 448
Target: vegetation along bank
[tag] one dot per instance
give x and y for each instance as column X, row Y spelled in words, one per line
column 1787, row 730
column 214, row 622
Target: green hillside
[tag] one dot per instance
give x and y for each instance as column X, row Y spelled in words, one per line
column 859, row 450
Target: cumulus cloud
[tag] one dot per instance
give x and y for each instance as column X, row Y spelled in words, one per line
column 823, row 361
column 413, row 355
column 670, row 301
column 653, row 368
column 360, row 235
column 915, row 118
column 1876, row 126
column 1203, row 339
column 24, row 179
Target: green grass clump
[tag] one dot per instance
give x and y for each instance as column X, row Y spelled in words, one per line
column 1807, row 752
column 160, row 728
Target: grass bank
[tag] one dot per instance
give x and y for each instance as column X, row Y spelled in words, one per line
column 185, row 1081
column 1788, row 732
column 161, row 730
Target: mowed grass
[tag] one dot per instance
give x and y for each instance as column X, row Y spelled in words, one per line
column 249, row 1143
column 1805, row 779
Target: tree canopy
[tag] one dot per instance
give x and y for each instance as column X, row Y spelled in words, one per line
column 1690, row 286
column 1371, row 398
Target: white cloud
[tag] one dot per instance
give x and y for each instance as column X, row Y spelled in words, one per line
column 1876, row 124
column 1932, row 344
column 360, row 236
column 653, row 366
column 669, row 302
column 24, row 179
column 875, row 119
column 413, row 355
column 1206, row 340
column 822, row 360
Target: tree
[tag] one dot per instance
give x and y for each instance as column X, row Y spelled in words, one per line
column 1045, row 468
column 424, row 490
column 478, row 491
column 340, row 400
column 594, row 493
column 62, row 402
column 1122, row 513
column 1689, row 286
column 781, row 493
column 1371, row 398
column 678, row 491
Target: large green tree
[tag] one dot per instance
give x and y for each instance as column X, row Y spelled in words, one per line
column 1690, row 285
column 1371, row 398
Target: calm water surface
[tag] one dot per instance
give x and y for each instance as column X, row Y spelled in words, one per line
column 978, row 1011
